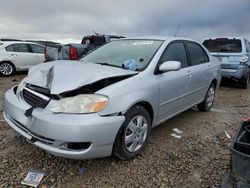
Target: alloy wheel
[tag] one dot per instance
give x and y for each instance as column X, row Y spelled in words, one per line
column 210, row 97
column 136, row 133
column 6, row 69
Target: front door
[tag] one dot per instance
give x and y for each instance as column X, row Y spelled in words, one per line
column 172, row 84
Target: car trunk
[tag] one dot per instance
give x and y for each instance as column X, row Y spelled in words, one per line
column 228, row 60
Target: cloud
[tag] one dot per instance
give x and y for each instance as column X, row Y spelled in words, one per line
column 66, row 20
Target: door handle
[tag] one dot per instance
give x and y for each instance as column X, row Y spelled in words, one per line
column 189, row 74
column 13, row 54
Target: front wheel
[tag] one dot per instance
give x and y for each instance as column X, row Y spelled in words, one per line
column 133, row 134
column 209, row 99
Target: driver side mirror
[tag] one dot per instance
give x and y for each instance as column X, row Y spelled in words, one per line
column 170, row 66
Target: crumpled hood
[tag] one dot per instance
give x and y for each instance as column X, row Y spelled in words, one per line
column 61, row 76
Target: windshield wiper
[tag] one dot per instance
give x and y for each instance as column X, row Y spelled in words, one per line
column 107, row 64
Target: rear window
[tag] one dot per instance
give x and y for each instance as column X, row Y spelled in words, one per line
column 223, row 45
column 94, row 40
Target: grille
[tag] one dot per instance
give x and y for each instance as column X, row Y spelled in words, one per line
column 34, row 100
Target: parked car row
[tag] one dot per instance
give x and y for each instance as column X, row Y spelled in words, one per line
column 107, row 102
column 232, row 53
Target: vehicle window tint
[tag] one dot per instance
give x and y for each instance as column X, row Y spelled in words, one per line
column 175, row 52
column 206, row 58
column 223, row 45
column 37, row 48
column 21, row 48
column 247, row 46
column 196, row 53
column 10, row 48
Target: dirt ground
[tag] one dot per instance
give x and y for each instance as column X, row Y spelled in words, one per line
column 199, row 159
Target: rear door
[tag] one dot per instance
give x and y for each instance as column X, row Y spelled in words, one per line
column 199, row 72
column 20, row 54
column 172, row 84
column 38, row 54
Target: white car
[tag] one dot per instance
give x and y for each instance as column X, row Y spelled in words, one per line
column 19, row 56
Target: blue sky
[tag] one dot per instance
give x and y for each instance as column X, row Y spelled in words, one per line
column 70, row 20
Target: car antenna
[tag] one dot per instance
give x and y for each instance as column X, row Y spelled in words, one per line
column 178, row 27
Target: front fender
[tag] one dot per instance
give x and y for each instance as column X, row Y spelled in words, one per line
column 122, row 96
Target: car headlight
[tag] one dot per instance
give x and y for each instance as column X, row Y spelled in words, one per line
column 21, row 85
column 80, row 104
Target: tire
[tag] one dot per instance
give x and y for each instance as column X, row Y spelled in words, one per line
column 133, row 135
column 243, row 83
column 7, row 69
column 209, row 99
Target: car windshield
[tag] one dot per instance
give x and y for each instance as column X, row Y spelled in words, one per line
column 223, row 45
column 128, row 54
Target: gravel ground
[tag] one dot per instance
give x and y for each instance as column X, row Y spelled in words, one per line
column 199, row 159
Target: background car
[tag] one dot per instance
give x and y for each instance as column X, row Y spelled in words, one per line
column 108, row 102
column 75, row 51
column 234, row 55
column 19, row 56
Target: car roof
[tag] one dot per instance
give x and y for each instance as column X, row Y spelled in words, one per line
column 225, row 37
column 167, row 38
column 7, row 43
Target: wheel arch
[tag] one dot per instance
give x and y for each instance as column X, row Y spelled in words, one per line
column 8, row 61
column 148, row 107
column 215, row 82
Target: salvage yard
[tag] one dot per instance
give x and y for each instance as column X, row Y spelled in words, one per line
column 200, row 158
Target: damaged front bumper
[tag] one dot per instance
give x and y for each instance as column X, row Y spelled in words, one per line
column 76, row 136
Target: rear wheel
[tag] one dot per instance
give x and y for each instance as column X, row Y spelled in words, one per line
column 7, row 69
column 209, row 99
column 243, row 83
column 134, row 133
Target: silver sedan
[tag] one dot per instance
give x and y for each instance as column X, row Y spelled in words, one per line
column 108, row 102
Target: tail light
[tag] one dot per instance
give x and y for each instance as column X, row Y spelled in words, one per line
column 243, row 59
column 73, row 53
column 45, row 53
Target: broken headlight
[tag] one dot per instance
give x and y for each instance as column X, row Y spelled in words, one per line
column 80, row 104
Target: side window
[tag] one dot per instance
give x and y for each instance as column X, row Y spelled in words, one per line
column 175, row 52
column 197, row 54
column 21, row 48
column 37, row 48
column 206, row 58
column 247, row 46
column 10, row 48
